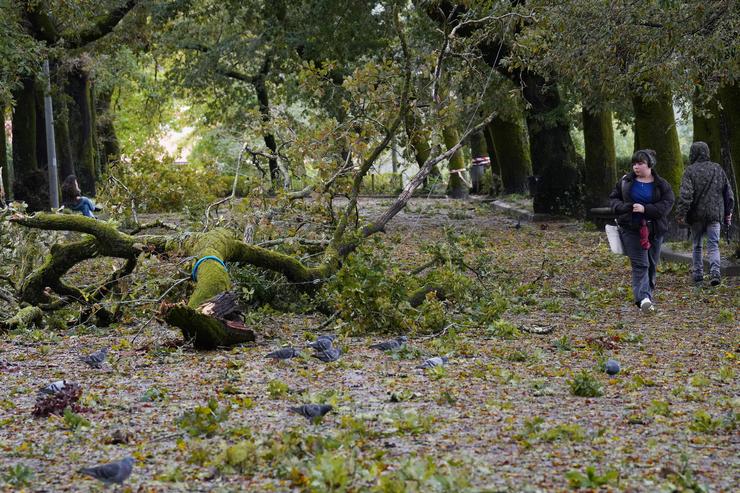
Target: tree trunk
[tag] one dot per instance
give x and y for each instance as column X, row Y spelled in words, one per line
column 481, row 161
column 419, row 138
column 496, row 186
column 706, row 129
column 655, row 128
column 456, row 188
column 30, row 182
column 729, row 96
column 512, row 154
column 600, row 162
column 110, row 149
column 82, row 130
column 551, row 148
column 5, row 183
column 65, row 162
column 264, row 106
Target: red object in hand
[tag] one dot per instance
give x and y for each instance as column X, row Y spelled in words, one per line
column 644, row 235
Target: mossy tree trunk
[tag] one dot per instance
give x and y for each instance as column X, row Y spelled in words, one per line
column 82, row 130
column 30, row 182
column 456, row 188
column 729, row 96
column 497, row 185
column 706, row 128
column 478, row 149
column 109, row 147
column 512, row 154
column 600, row 161
column 263, row 98
column 551, row 148
column 4, row 163
column 655, row 128
column 65, row 161
column 419, row 138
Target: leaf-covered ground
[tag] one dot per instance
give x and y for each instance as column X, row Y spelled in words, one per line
column 501, row 416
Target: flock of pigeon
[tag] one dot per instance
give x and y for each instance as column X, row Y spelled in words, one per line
column 117, row 472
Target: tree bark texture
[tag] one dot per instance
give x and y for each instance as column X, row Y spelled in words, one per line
column 512, row 154
column 729, row 96
column 551, row 148
column 655, row 128
column 478, row 149
column 109, row 147
column 82, row 130
column 4, row 163
column 600, row 163
column 706, row 129
column 456, row 188
column 30, row 182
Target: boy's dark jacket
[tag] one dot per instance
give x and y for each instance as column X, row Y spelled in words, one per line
column 705, row 195
column 657, row 211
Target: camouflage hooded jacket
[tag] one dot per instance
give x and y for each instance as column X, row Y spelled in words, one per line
column 705, row 195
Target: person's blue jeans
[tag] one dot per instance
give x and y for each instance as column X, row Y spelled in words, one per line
column 85, row 206
column 711, row 230
column 644, row 262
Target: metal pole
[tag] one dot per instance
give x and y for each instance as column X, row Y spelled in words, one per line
column 51, row 148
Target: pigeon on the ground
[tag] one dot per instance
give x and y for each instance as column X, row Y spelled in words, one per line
column 436, row 361
column 53, row 387
column 312, row 412
column 96, row 359
column 328, row 355
column 284, row 353
column 392, row 345
column 611, row 367
column 114, row 472
column 322, row 343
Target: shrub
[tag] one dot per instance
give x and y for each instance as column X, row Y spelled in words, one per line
column 585, row 385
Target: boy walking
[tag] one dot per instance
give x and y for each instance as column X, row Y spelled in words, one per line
column 705, row 200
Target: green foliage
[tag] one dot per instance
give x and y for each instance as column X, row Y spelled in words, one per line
column 204, row 420
column 277, row 389
column 563, row 344
column 407, row 422
column 584, row 384
column 154, row 394
column 591, row 479
column 416, row 475
column 683, row 481
column 660, row 408
column 73, row 421
column 726, row 316
column 157, row 184
column 704, row 423
column 18, row 476
column 373, row 294
column 331, row 472
column 503, row 329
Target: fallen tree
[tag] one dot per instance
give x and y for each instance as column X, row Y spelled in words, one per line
column 195, row 317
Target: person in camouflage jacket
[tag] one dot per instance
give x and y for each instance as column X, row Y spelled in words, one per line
column 705, row 200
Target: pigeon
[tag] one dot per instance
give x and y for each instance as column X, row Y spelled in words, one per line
column 392, row 345
column 115, row 472
column 328, row 355
column 96, row 359
column 53, row 387
column 611, row 367
column 436, row 361
column 322, row 343
column 284, row 353
column 313, row 412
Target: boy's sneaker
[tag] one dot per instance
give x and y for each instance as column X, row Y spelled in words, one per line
column 646, row 306
column 715, row 279
column 698, row 281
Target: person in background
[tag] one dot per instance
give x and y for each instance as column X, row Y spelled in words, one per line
column 705, row 200
column 642, row 201
column 73, row 199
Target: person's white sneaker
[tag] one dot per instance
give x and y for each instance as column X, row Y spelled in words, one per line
column 646, row 306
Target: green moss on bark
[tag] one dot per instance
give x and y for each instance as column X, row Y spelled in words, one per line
column 512, row 154
column 600, row 161
column 456, row 188
column 655, row 128
column 706, row 128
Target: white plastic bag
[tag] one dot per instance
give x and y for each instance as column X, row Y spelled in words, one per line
column 615, row 242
